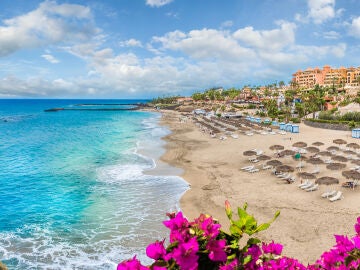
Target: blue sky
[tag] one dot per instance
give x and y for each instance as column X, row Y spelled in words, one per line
column 150, row 48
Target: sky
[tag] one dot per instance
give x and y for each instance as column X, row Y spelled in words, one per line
column 152, row 48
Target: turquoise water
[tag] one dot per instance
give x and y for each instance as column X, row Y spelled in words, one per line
column 73, row 192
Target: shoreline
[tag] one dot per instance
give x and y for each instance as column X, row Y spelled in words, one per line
column 307, row 222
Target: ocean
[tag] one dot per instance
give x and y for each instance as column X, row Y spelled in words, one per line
column 74, row 192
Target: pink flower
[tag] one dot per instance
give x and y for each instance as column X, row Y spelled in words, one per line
column 356, row 240
column 217, row 252
column 272, row 248
column 156, row 250
column 357, row 226
column 255, row 253
column 185, row 254
column 231, row 266
column 178, row 226
column 210, row 229
column 132, row 264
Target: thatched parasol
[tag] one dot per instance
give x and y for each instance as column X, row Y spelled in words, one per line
column 318, row 143
column 327, row 180
column 315, row 161
column 356, row 162
column 339, row 158
column 353, row 145
column 287, row 152
column 249, row 153
column 306, row 175
column 276, row 147
column 300, row 144
column 324, row 153
column 339, row 141
column 285, row 168
column 263, row 157
column 349, row 152
column 336, row 166
column 351, row 174
column 332, row 148
column 274, row 162
column 312, row 149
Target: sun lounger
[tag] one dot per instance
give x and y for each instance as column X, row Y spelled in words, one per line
column 266, row 167
column 304, row 183
column 336, row 197
column 312, row 188
column 285, row 176
column 316, row 171
column 248, row 167
column 328, row 194
column 281, row 175
column 310, row 184
column 253, row 170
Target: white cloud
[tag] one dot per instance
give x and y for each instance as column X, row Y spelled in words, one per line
column 320, row 11
column 331, row 35
column 204, row 44
column 268, row 40
column 354, row 28
column 227, row 24
column 158, row 3
column 48, row 24
column 50, row 58
column 131, row 43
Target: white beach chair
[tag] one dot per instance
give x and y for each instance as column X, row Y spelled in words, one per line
column 315, row 171
column 328, row 194
column 336, row 197
column 288, row 175
column 266, row 167
column 253, row 170
column 310, row 184
column 304, row 183
column 249, row 167
column 312, row 188
column 291, row 179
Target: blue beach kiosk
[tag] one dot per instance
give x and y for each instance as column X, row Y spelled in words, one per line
column 267, row 121
column 288, row 127
column 294, row 129
column 275, row 123
column 282, row 126
column 258, row 120
column 355, row 133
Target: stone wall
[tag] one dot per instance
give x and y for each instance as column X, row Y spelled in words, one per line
column 327, row 125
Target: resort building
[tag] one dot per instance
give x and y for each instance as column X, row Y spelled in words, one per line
column 330, row 77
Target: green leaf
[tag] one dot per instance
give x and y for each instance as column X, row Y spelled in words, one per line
column 262, row 227
column 253, row 241
column 247, row 259
column 235, row 230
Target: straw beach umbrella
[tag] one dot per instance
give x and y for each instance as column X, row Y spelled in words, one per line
column 249, row 153
column 332, row 148
column 315, row 161
column 274, row 162
column 349, row 152
column 336, row 166
column 285, row 168
column 300, row 144
column 263, row 157
column 327, row 180
column 351, row 174
column 287, row 152
column 353, row 146
column 276, row 147
column 356, row 162
column 324, row 153
column 306, row 175
column 318, row 143
column 312, row 149
column 339, row 141
column 339, row 158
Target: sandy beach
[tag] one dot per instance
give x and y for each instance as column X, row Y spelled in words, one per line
column 211, row 166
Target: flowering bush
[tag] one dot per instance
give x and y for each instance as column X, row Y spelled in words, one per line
column 202, row 245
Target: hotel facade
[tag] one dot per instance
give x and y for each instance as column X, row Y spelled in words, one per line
column 331, row 77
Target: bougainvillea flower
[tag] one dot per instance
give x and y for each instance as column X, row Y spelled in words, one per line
column 178, row 227
column 156, row 250
column 185, row 254
column 272, row 248
column 231, row 266
column 210, row 228
column 216, row 250
column 132, row 264
column 357, row 226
